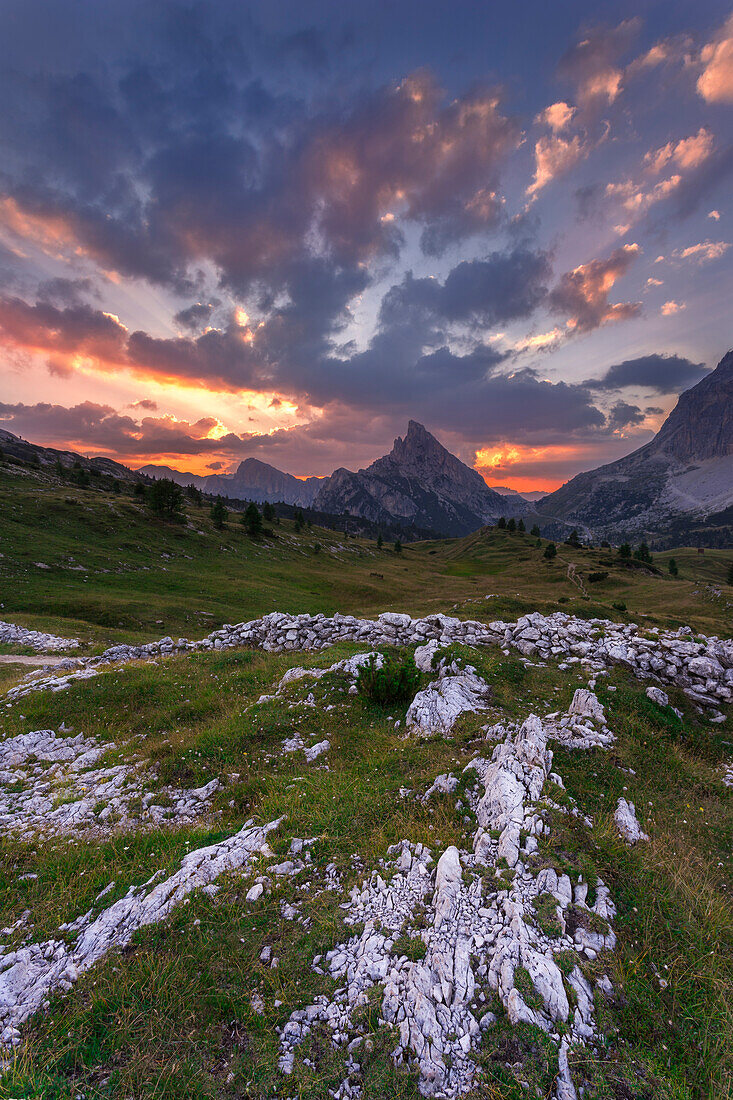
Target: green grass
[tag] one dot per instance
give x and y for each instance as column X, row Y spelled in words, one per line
column 171, row 1016
column 116, row 573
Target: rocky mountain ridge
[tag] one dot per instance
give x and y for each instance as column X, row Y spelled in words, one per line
column 685, row 474
column 252, row 480
column 418, row 483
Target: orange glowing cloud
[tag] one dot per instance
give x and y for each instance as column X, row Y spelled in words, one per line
column 496, row 465
column 715, row 83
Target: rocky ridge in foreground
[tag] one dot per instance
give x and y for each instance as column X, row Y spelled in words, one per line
column 701, row 666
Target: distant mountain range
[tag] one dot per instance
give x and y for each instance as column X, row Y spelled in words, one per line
column 419, row 484
column 681, row 479
column 676, row 489
column 252, row 480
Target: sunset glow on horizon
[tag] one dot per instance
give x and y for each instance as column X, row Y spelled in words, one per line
column 303, row 247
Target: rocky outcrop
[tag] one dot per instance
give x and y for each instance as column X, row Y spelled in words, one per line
column 627, row 822
column 10, row 634
column 53, row 785
column 685, row 471
column 480, row 933
column 29, row 975
column 419, row 483
column 701, row 666
column 440, row 705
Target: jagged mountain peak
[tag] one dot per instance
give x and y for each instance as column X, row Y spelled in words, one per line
column 684, row 475
column 701, row 424
column 419, row 483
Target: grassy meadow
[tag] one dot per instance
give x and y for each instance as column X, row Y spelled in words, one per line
column 172, row 1016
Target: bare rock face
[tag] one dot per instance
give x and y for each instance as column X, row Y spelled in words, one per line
column 701, row 424
column 28, row 976
column 685, row 473
column 627, row 822
column 418, row 483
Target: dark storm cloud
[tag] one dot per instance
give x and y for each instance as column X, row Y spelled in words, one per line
column 662, row 373
column 504, row 287
column 66, row 292
column 623, row 415
column 152, row 168
column 194, row 316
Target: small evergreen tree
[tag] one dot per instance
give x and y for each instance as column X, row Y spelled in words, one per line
column 624, row 550
column 252, row 520
column 511, row 525
column 397, row 546
column 730, row 574
column 502, row 523
column 520, row 526
column 139, row 489
column 299, row 520
column 219, row 513
column 165, row 498
column 642, row 553
column 550, row 551
column 268, row 512
column 194, row 494
column 605, row 545
column 573, row 540
column 672, row 566
column 380, row 541
column 316, row 547
column 535, row 532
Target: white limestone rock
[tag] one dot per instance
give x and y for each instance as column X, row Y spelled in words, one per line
column 627, row 822
column 29, row 975
column 438, row 707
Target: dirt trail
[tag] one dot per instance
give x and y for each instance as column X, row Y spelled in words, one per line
column 38, row 661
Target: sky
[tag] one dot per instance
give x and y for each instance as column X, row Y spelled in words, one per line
column 282, row 230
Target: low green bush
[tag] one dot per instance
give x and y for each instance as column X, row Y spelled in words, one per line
column 396, row 681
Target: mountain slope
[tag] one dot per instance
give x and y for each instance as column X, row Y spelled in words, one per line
column 685, row 472
column 253, row 480
column 418, row 483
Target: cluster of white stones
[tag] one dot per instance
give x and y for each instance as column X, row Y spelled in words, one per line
column 470, row 928
column 29, row 975
column 10, row 634
column 701, row 666
column 54, row 785
column 34, row 682
column 454, row 692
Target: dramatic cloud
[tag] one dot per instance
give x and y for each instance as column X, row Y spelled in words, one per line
column 593, row 64
column 77, row 330
column 662, row 373
column 555, row 155
column 623, row 415
column 686, row 153
column 89, row 425
column 253, row 205
column 503, row 287
column 715, row 83
column 190, row 200
column 194, row 316
column 582, row 294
